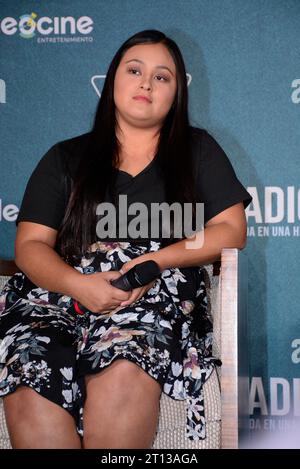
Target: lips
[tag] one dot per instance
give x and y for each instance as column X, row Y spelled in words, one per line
column 142, row 98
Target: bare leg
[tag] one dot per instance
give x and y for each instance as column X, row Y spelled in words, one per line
column 122, row 407
column 35, row 422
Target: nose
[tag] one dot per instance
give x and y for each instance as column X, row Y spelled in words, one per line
column 145, row 84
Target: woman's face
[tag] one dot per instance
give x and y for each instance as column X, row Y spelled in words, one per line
column 145, row 85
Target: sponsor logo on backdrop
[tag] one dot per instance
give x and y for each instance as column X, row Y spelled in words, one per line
column 295, row 96
column 46, row 29
column 284, row 405
column 8, row 212
column 98, row 80
column 274, row 212
column 2, row 92
column 284, row 398
column 295, row 357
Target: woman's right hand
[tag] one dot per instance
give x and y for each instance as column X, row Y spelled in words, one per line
column 95, row 292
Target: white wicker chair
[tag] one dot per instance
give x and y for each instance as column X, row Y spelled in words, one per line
column 226, row 412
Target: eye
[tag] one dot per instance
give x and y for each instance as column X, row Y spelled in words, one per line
column 161, row 78
column 133, row 71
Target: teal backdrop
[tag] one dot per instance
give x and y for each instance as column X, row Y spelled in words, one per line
column 242, row 57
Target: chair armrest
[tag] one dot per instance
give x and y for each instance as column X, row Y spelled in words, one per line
column 234, row 346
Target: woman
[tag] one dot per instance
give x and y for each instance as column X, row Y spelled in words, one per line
column 83, row 363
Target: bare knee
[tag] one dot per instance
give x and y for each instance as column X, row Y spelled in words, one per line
column 124, row 381
column 25, row 404
column 35, row 422
column 120, row 399
column 19, row 404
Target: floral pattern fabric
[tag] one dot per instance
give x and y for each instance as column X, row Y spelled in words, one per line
column 47, row 346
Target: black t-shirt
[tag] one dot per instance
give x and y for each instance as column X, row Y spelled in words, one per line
column 48, row 189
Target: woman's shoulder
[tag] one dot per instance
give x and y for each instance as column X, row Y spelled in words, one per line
column 199, row 135
column 196, row 132
column 203, row 144
column 70, row 151
column 74, row 144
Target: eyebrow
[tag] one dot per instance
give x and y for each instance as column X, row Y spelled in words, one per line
column 157, row 66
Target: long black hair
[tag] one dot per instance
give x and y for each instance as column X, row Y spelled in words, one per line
column 96, row 171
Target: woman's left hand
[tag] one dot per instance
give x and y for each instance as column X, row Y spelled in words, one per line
column 136, row 293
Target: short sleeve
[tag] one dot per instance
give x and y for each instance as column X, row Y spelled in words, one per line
column 217, row 185
column 44, row 200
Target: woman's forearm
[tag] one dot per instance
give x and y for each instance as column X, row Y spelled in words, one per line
column 215, row 238
column 46, row 269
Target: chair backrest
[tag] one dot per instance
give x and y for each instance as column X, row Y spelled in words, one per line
column 234, row 347
column 8, row 268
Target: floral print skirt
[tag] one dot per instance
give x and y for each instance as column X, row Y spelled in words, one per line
column 46, row 345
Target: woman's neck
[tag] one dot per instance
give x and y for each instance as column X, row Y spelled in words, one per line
column 137, row 143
